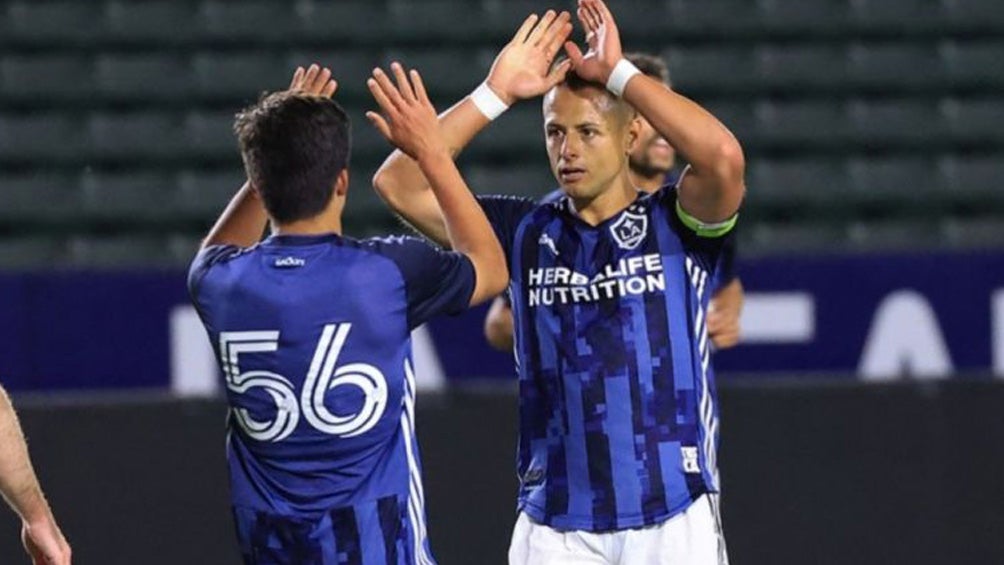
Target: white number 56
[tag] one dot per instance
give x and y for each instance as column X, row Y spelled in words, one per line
column 323, row 376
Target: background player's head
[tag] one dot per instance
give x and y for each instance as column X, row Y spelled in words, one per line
column 652, row 157
column 589, row 133
column 295, row 148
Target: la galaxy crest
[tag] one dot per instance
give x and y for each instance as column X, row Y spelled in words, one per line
column 629, row 230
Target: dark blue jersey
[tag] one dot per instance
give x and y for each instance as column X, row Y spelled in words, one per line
column 312, row 333
column 725, row 271
column 618, row 416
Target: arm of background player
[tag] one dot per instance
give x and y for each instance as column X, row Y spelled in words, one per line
column 499, row 325
column 521, row 70
column 713, row 188
column 726, row 305
column 724, row 314
column 243, row 221
column 42, row 538
column 409, row 122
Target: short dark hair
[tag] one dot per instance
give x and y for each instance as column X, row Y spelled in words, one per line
column 575, row 83
column 650, row 65
column 294, row 146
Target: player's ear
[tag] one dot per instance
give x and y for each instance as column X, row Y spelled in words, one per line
column 342, row 182
column 633, row 132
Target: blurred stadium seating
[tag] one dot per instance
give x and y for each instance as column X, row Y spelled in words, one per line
column 867, row 123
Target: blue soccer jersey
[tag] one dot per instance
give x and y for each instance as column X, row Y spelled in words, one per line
column 618, row 415
column 725, row 270
column 312, row 334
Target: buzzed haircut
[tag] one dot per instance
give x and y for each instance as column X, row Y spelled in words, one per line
column 576, row 83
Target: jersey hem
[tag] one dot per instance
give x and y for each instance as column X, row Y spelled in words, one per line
column 582, row 523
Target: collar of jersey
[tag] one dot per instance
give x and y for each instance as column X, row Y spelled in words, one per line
column 291, row 239
column 566, row 207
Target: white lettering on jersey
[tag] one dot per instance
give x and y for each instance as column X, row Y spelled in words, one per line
column 323, row 376
column 634, row 275
column 289, row 262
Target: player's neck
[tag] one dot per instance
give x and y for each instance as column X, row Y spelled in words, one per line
column 328, row 221
column 306, row 228
column 608, row 203
column 317, row 225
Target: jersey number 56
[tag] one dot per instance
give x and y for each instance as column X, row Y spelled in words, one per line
column 322, row 377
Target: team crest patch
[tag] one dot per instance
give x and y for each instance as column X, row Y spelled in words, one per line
column 629, row 230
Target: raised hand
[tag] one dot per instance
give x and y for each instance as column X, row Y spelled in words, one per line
column 603, row 39
column 408, row 119
column 313, row 80
column 523, row 68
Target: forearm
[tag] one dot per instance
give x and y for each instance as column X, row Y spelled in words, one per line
column 499, row 325
column 17, row 477
column 709, row 147
column 522, row 70
column 688, row 127
column 725, row 314
column 402, row 184
column 242, row 223
column 467, row 228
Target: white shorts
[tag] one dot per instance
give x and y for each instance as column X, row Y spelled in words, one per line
column 693, row 537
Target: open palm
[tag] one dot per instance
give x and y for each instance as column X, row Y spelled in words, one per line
column 603, row 39
column 523, row 68
column 408, row 119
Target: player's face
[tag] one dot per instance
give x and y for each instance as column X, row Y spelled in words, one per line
column 587, row 140
column 651, row 154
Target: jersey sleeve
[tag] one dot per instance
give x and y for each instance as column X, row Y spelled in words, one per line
column 436, row 281
column 725, row 272
column 708, row 242
column 204, row 260
column 504, row 214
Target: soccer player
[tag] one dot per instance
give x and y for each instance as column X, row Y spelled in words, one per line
column 41, row 536
column 618, row 416
column 312, row 327
column 650, row 165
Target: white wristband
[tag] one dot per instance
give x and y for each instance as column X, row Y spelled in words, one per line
column 618, row 80
column 488, row 102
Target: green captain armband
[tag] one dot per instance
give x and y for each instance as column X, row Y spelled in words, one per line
column 704, row 229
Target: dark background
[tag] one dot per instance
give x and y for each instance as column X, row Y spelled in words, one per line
column 830, row 474
column 869, row 131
